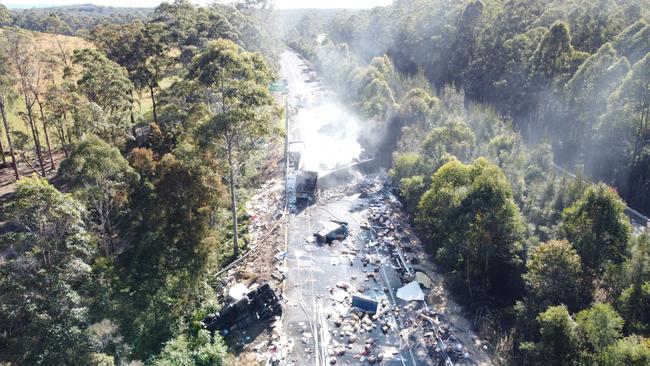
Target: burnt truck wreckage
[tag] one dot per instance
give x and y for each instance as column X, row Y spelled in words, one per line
column 306, row 186
column 260, row 303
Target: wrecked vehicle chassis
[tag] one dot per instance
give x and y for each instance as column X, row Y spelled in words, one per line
column 261, row 303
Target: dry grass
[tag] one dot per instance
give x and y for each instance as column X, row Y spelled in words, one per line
column 50, row 42
column 50, row 45
column 53, row 47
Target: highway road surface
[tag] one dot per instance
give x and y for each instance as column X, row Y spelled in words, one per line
column 321, row 278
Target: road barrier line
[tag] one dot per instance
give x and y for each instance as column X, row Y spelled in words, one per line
column 629, row 210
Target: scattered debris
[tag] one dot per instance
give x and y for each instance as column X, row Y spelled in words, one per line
column 281, row 256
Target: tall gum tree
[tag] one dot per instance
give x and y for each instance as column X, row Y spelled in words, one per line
column 6, row 92
column 24, row 67
column 240, row 109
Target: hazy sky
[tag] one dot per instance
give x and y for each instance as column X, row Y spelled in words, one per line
column 280, row 4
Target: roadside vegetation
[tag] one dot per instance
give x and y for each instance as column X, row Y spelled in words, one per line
column 478, row 100
column 111, row 260
column 130, row 150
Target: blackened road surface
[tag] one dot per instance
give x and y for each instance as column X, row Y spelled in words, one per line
column 322, row 278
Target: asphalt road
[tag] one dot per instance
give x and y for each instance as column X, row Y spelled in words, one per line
column 314, row 269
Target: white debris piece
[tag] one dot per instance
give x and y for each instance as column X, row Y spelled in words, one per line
column 238, row 291
column 410, row 292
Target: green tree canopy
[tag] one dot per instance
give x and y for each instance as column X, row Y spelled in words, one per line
column 597, row 227
column 453, row 137
column 626, row 133
column 5, row 16
column 558, row 343
column 634, row 300
column 43, row 311
column 553, row 274
column 600, row 326
column 629, row 351
column 105, row 84
column 101, row 177
column 201, row 350
column 471, row 223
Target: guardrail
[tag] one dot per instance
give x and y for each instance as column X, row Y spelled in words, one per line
column 640, row 219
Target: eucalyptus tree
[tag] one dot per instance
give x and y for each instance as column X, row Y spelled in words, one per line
column 559, row 341
column 598, row 228
column 627, row 132
column 6, row 95
column 470, row 222
column 240, row 107
column 634, row 300
column 5, row 16
column 43, row 310
column 599, row 326
column 142, row 49
column 26, row 70
column 587, row 93
column 58, row 106
column 553, row 275
column 100, row 176
column 629, row 351
column 105, row 84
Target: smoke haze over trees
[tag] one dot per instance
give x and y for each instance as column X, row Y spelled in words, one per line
column 557, row 69
column 478, row 100
column 157, row 120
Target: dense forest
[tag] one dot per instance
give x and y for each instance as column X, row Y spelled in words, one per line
column 75, row 19
column 135, row 148
column 480, row 100
column 110, row 261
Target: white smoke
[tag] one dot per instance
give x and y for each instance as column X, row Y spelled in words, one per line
column 330, row 132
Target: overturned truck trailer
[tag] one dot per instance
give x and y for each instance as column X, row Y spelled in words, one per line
column 261, row 303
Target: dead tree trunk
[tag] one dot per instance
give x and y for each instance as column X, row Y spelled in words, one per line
column 153, row 102
column 2, row 152
column 233, row 203
column 47, row 137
